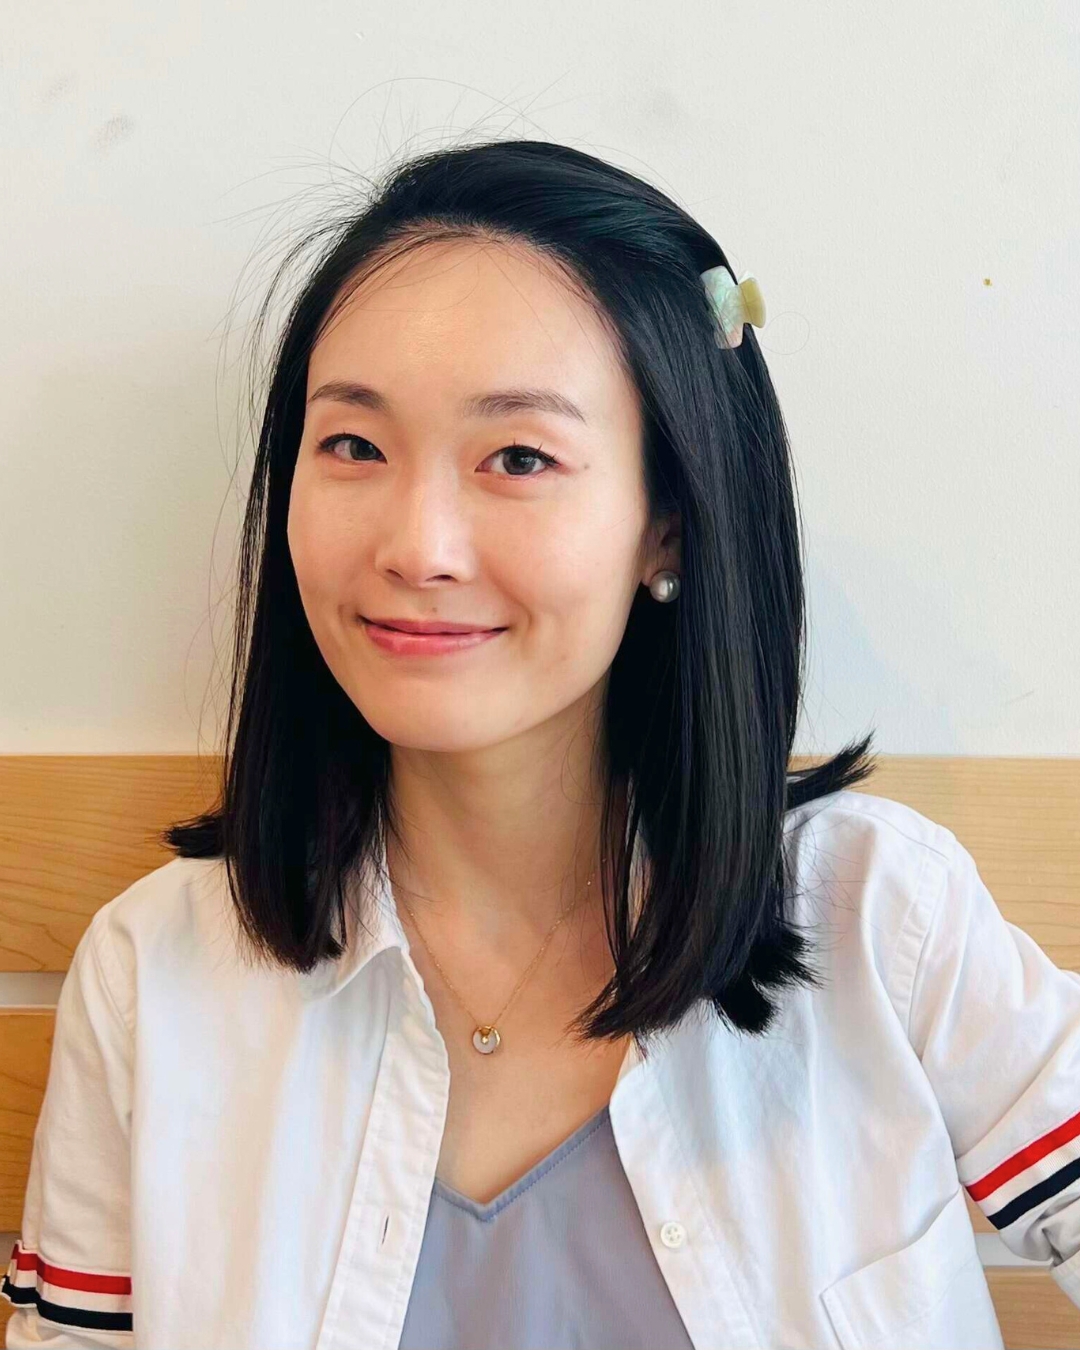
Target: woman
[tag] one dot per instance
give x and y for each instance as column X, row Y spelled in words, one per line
column 531, row 1052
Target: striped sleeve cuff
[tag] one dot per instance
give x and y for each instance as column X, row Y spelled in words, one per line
column 83, row 1299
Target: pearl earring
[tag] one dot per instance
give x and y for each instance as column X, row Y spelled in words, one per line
column 664, row 586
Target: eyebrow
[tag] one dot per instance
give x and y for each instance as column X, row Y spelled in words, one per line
column 497, row 403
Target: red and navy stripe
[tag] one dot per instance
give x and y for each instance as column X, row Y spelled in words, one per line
column 72, row 1298
column 1031, row 1176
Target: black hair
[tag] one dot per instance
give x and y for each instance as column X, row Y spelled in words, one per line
column 703, row 693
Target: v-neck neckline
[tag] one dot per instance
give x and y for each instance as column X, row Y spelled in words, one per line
column 505, row 1197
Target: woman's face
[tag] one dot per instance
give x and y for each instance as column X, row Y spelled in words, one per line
column 408, row 503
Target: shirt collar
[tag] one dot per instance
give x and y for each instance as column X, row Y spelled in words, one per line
column 367, row 892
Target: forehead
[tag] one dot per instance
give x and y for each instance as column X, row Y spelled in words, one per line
column 467, row 315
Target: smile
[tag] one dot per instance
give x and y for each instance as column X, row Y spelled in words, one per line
column 397, row 643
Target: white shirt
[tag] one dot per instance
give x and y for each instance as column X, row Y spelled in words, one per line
column 242, row 1158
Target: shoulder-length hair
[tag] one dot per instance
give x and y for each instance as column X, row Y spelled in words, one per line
column 703, row 694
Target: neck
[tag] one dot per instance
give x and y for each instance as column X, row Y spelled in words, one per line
column 491, row 862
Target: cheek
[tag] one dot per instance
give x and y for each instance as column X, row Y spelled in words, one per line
column 577, row 584
column 318, row 543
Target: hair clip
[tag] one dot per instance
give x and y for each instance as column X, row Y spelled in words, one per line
column 734, row 304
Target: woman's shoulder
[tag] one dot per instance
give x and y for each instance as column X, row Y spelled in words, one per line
column 869, row 874
column 164, row 897
column 855, row 845
column 866, row 817
column 175, row 914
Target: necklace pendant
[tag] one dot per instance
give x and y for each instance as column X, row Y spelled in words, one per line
column 486, row 1040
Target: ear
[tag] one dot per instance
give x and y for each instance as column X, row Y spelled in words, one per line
column 665, row 547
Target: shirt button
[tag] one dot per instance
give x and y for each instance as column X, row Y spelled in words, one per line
column 672, row 1234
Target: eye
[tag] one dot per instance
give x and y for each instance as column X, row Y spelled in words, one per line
column 329, row 444
column 527, row 452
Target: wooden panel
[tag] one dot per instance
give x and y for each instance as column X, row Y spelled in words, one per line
column 76, row 831
column 1033, row 1312
column 27, row 1040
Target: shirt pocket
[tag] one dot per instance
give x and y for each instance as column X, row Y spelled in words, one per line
column 930, row 1295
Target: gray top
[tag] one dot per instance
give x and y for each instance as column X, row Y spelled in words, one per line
column 560, row 1260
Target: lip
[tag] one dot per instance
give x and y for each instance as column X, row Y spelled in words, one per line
column 428, row 625
column 399, row 643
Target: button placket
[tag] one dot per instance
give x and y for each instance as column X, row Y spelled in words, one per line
column 365, row 1308
column 698, row 1274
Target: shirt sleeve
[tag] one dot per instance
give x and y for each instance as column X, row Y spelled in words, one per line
column 69, row 1276
column 997, row 1027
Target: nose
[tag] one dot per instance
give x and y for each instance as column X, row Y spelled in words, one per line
column 425, row 534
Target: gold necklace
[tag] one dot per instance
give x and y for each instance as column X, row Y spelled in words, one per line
column 486, row 1038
